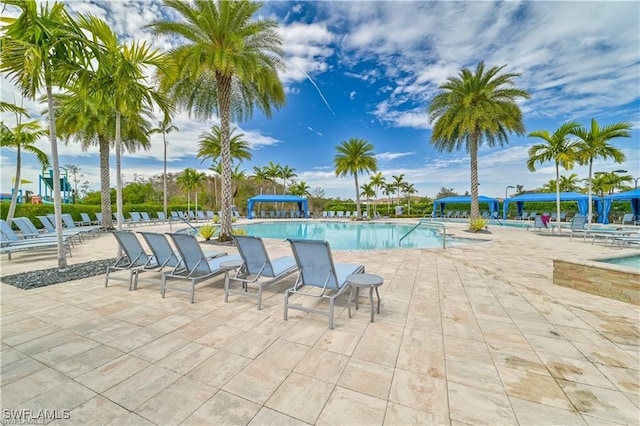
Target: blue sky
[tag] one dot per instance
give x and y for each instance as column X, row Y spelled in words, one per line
column 369, row 70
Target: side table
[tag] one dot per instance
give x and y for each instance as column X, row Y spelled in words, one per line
column 358, row 281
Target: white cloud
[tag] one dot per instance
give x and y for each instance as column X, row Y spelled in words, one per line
column 389, row 156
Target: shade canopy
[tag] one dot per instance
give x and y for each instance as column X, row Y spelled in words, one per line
column 581, row 199
column 604, row 206
column 266, row 198
column 442, row 202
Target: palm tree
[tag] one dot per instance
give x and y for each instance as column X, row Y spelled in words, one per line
column 409, row 189
column 273, row 172
column 190, row 180
column 557, row 148
column 286, row 173
column 355, row 156
column 569, row 183
column 367, row 193
column 210, row 146
column 473, row 107
column 9, row 107
column 120, row 79
column 41, row 48
column 607, row 182
column 260, row 175
column 398, row 181
column 165, row 128
column 301, row 189
column 237, row 176
column 594, row 143
column 388, row 189
column 227, row 63
column 377, row 181
column 22, row 138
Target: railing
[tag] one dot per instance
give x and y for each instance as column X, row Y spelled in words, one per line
column 427, row 223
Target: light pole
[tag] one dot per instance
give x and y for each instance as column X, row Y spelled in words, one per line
column 504, row 204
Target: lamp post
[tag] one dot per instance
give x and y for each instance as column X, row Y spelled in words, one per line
column 504, row 204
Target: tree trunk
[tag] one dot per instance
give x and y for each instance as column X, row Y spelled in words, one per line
column 55, row 164
column 16, row 187
column 558, row 197
column 224, row 99
column 105, row 190
column 589, row 199
column 119, row 172
column 164, row 175
column 473, row 155
column 355, row 175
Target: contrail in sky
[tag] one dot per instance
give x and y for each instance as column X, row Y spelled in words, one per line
column 319, row 92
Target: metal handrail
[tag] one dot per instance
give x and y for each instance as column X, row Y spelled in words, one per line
column 428, row 223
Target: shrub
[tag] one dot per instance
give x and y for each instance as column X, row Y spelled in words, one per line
column 478, row 224
column 207, row 231
column 239, row 231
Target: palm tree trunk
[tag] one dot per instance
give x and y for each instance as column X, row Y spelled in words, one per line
column 105, row 190
column 558, row 197
column 589, row 211
column 355, row 175
column 16, row 187
column 119, row 173
column 164, row 175
column 224, row 99
column 473, row 154
column 55, row 163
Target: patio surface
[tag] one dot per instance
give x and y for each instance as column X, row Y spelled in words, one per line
column 476, row 334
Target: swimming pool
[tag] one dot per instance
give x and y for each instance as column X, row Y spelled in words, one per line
column 631, row 261
column 354, row 235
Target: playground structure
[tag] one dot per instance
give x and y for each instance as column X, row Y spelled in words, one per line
column 46, row 181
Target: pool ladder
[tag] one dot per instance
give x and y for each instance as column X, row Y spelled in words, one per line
column 427, row 223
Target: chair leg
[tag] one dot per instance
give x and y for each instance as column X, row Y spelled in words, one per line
column 163, row 285
column 286, row 304
column 259, row 296
column 193, row 290
column 331, row 314
column 106, row 280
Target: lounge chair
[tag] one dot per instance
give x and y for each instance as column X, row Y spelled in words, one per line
column 86, row 220
column 9, row 246
column 577, row 225
column 195, row 265
column 12, row 237
column 627, row 218
column 317, row 269
column 133, row 258
column 537, row 224
column 147, row 219
column 162, row 217
column 257, row 268
column 68, row 222
column 163, row 255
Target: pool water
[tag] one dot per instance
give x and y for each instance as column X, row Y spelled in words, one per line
column 355, row 235
column 631, row 261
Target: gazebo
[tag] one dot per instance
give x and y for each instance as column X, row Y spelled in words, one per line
column 302, row 204
column 581, row 199
column 605, row 207
column 442, row 202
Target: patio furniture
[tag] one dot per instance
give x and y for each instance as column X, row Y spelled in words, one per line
column 257, row 268
column 367, row 281
column 318, row 276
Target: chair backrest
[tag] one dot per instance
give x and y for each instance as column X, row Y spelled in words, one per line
column 86, row 220
column 191, row 253
column 135, row 217
column 315, row 263
column 99, row 217
column 46, row 223
column 68, row 221
column 7, row 231
column 161, row 216
column 145, row 216
column 132, row 248
column 578, row 222
column 254, row 255
column 162, row 250
column 538, row 223
column 627, row 218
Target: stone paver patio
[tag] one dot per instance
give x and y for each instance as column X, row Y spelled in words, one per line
column 476, row 334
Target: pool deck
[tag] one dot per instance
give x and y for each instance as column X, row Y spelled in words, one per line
column 476, row 334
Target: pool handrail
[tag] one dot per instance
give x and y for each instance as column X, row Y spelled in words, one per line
column 430, row 223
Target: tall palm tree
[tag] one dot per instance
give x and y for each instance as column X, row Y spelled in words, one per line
column 355, row 156
column 388, row 189
column 569, row 183
column 367, row 193
column 557, row 147
column 475, row 107
column 273, row 172
column 120, row 78
column 41, row 49
column 22, row 138
column 165, row 127
column 301, row 189
column 227, row 62
column 398, row 181
column 260, row 175
column 377, row 181
column 594, row 143
column 409, row 189
column 190, row 180
column 286, row 173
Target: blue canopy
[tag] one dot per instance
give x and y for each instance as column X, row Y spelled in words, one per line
column 605, row 205
column 582, row 199
column 493, row 203
column 265, row 198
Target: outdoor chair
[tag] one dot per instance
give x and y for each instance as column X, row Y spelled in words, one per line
column 29, row 231
column 322, row 278
column 628, row 218
column 577, row 225
column 133, row 258
column 163, row 255
column 195, row 266
column 51, row 230
column 257, row 268
column 147, row 219
column 136, row 219
column 9, row 246
column 86, row 220
column 162, row 217
column 537, row 224
column 68, row 222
